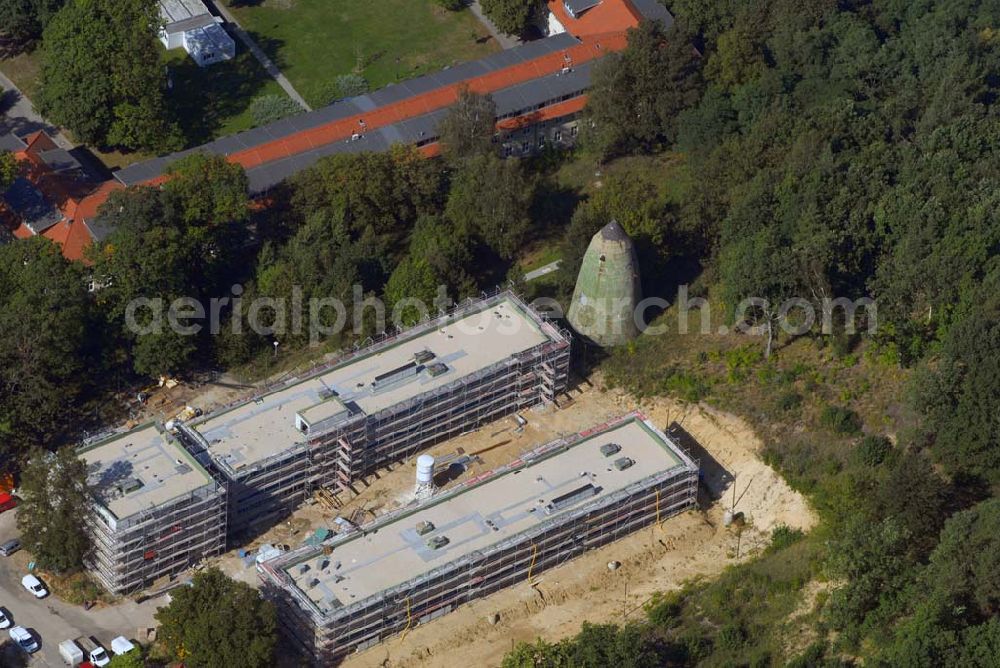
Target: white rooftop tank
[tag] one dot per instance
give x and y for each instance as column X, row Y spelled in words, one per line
column 425, row 476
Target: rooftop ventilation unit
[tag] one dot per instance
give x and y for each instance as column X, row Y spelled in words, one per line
column 423, row 356
column 609, row 449
column 437, row 542
column 623, row 463
column 395, row 375
column 436, row 369
column 570, row 498
column 129, row 486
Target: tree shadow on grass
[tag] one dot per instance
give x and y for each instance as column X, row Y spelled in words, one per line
column 204, row 100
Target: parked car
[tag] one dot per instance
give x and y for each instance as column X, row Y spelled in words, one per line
column 35, row 586
column 4, row 619
column 7, row 501
column 122, row 645
column 70, row 653
column 10, row 547
column 95, row 653
column 24, row 639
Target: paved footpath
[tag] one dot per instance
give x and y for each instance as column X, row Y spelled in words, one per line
column 21, row 118
column 259, row 54
column 542, row 271
column 504, row 40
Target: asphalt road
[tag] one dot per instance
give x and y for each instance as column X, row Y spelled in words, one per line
column 52, row 620
column 18, row 115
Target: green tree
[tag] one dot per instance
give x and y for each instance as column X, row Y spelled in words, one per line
column 132, row 659
column 447, row 251
column 56, row 501
column 47, row 326
column 218, row 622
column 511, row 16
column 412, row 279
column 756, row 281
column 210, row 189
column 636, row 95
column 181, row 241
column 961, row 396
column 540, row 654
column 22, row 21
column 469, row 127
column 490, row 198
column 873, row 561
column 102, row 77
column 385, row 191
column 8, row 169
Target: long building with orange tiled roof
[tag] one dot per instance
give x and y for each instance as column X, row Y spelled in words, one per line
column 539, row 88
column 540, row 81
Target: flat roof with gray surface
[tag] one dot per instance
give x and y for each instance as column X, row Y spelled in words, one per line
column 141, row 469
column 388, row 553
column 176, row 11
column 420, row 360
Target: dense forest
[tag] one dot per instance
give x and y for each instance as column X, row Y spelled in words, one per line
column 773, row 149
column 833, row 149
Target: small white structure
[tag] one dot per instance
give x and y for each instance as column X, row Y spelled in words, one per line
column 189, row 25
column 554, row 27
column 425, row 477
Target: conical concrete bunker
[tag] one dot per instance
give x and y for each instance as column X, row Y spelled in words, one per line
column 607, row 289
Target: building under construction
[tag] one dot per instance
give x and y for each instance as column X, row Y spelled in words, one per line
column 502, row 528
column 157, row 511
column 483, row 360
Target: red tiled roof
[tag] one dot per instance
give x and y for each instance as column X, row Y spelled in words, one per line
column 71, row 233
column 609, row 16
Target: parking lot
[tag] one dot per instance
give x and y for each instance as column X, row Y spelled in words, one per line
column 51, row 620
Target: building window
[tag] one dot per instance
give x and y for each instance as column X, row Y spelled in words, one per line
column 525, row 146
column 557, row 135
column 541, row 141
column 573, row 131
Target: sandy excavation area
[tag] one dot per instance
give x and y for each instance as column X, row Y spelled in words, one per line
column 659, row 558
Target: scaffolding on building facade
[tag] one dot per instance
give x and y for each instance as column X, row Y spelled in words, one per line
column 327, row 635
column 363, row 443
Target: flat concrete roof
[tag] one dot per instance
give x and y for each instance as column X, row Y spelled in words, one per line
column 173, row 11
column 485, row 514
column 165, row 470
column 266, row 426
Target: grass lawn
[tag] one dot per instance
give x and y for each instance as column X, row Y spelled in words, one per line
column 24, row 70
column 315, row 41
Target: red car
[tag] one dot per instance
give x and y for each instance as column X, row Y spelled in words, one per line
column 7, row 502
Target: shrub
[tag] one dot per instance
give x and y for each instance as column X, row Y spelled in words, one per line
column 451, row 5
column 270, row 108
column 740, row 360
column 873, row 450
column 685, row 387
column 789, row 401
column 664, row 609
column 782, row 536
column 840, row 420
column 349, row 85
